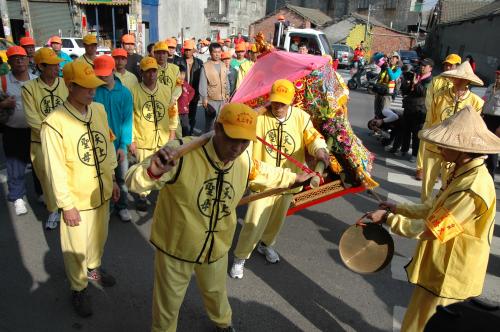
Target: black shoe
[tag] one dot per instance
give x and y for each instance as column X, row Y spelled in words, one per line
column 81, row 303
column 224, row 329
column 142, row 204
column 100, row 277
column 393, row 150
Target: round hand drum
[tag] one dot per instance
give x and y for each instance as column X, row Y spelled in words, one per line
column 366, row 249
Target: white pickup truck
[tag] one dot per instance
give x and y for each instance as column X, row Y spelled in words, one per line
column 73, row 46
column 316, row 41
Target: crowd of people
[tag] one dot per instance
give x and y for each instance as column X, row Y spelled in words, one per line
column 96, row 127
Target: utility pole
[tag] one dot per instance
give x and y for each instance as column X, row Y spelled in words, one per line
column 25, row 10
column 5, row 20
column 368, row 21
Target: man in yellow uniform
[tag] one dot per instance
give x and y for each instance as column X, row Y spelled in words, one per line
column 288, row 130
column 153, row 125
column 455, row 231
column 80, row 161
column 195, row 217
column 437, row 84
column 168, row 73
column 90, row 45
column 245, row 66
column 444, row 104
column 121, row 58
column 40, row 97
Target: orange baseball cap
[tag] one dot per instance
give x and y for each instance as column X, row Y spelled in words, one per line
column 239, row 121
column 148, row 63
column 205, row 42
column 104, row 65
column 171, row 42
column 119, row 52
column 26, row 41
column 48, row 56
column 241, row 47
column 81, row 73
column 55, row 39
column 188, row 44
column 128, row 39
column 16, row 50
column 89, row 39
column 225, row 55
column 281, row 18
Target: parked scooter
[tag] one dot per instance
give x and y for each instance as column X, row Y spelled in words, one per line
column 363, row 77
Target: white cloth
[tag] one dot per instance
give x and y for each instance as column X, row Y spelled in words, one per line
column 17, row 119
column 389, row 115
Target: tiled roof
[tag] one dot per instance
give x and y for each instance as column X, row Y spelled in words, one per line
column 315, row 16
column 452, row 10
column 492, row 9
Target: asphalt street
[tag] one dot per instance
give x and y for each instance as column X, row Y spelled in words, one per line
column 308, row 290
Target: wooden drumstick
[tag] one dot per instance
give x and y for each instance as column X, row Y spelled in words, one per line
column 192, row 145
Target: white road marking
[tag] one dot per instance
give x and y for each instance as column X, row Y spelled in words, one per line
column 404, row 179
column 393, row 162
column 402, row 199
column 397, row 318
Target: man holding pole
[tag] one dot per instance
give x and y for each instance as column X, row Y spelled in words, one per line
column 195, row 217
column 286, row 130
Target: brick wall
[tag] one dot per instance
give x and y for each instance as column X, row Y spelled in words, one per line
column 388, row 41
column 267, row 25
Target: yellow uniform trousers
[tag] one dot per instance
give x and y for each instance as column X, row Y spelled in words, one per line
column 83, row 245
column 263, row 222
column 420, row 156
column 172, row 278
column 421, row 308
column 142, row 154
column 433, row 167
column 39, row 168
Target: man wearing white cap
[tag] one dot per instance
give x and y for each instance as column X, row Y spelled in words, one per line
column 444, row 104
column 455, row 230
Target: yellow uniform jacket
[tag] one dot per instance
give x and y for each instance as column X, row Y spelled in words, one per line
column 168, row 76
column 243, row 71
column 152, row 122
column 39, row 100
column 438, row 84
column 456, row 268
column 86, row 60
column 128, row 79
column 79, row 156
column 195, row 217
column 445, row 104
column 291, row 136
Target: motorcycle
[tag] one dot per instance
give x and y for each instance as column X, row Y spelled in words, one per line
column 363, row 78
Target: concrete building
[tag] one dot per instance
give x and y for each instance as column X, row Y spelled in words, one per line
column 299, row 17
column 475, row 34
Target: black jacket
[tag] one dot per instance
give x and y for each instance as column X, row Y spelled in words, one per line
column 414, row 94
column 194, row 77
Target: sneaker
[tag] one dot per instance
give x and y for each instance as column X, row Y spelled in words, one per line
column 81, row 303
column 237, row 268
column 125, row 215
column 52, row 221
column 269, row 252
column 224, row 329
column 142, row 204
column 419, row 174
column 412, row 159
column 100, row 277
column 20, row 207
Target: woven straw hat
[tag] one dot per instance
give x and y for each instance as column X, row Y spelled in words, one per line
column 465, row 72
column 464, row 131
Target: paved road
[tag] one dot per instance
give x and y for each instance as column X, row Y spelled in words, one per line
column 309, row 290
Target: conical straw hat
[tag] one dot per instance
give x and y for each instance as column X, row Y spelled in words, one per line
column 465, row 72
column 464, row 131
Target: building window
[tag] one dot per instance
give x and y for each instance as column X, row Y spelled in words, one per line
column 363, row 4
column 391, row 4
column 222, row 7
column 254, row 6
column 238, row 4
